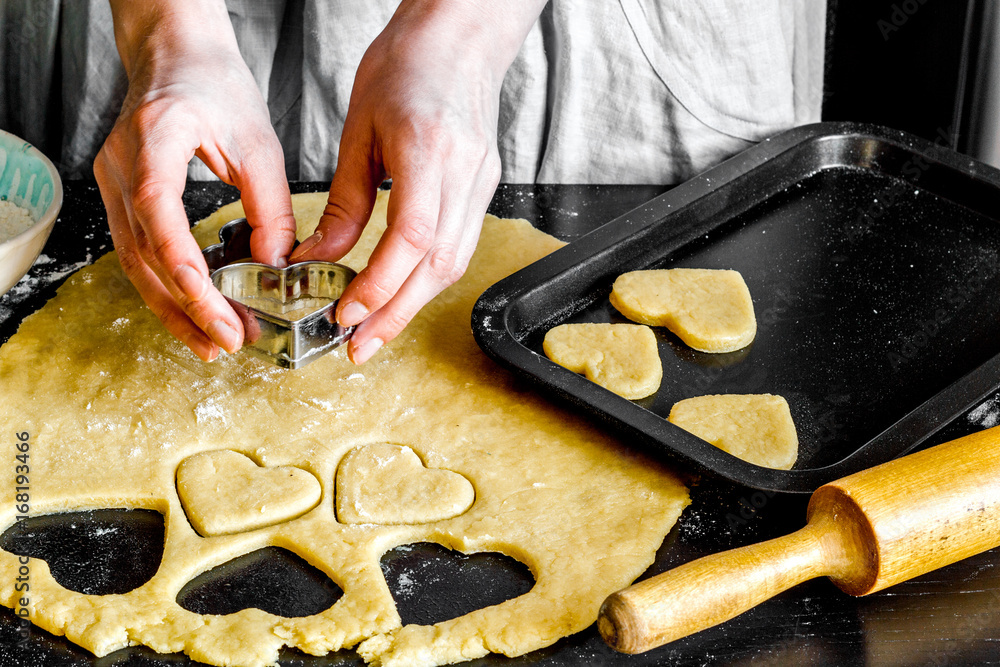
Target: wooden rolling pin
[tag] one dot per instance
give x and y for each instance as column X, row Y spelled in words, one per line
column 865, row 532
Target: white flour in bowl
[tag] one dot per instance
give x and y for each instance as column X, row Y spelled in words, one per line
column 13, row 220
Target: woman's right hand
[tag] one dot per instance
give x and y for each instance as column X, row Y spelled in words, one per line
column 190, row 94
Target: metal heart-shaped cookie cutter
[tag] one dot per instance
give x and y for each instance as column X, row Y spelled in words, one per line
column 288, row 314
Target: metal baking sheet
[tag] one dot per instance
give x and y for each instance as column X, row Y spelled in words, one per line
column 873, row 259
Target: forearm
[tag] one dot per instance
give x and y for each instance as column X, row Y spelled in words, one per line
column 498, row 27
column 143, row 25
column 423, row 112
column 190, row 95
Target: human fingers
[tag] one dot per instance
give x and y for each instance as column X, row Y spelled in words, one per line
column 352, row 196
column 461, row 216
column 389, row 321
column 255, row 164
column 156, row 297
column 163, row 239
column 413, row 218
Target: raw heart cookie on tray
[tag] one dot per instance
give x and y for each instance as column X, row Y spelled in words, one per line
column 114, row 405
column 622, row 358
column 709, row 309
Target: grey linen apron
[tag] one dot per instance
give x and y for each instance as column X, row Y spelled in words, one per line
column 602, row 91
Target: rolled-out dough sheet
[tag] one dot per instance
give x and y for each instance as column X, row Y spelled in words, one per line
column 113, row 404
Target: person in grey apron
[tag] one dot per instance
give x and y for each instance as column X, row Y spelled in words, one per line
column 445, row 98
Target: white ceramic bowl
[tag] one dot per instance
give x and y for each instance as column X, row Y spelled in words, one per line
column 30, row 180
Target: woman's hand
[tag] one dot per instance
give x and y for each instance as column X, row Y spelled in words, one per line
column 190, row 93
column 423, row 112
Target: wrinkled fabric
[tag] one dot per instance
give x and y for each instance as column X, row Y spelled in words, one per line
column 602, row 91
column 28, row 58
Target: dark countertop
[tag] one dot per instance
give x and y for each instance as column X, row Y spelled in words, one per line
column 948, row 617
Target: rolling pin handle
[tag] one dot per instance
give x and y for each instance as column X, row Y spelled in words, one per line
column 710, row 590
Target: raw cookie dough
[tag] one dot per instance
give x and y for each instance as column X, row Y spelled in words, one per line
column 113, row 404
column 710, row 310
column 389, row 484
column 755, row 427
column 225, row 492
column 622, row 358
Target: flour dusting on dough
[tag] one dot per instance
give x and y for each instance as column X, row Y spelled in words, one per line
column 210, row 410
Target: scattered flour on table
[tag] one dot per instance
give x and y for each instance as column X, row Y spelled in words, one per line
column 13, row 220
column 32, row 283
column 986, row 415
column 405, row 585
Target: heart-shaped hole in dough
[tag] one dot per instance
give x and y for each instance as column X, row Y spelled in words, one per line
column 431, row 584
column 96, row 552
column 271, row 579
column 389, row 484
column 224, row 492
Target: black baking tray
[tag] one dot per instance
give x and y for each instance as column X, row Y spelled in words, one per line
column 873, row 260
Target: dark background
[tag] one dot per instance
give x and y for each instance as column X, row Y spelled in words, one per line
column 916, row 76
column 947, row 617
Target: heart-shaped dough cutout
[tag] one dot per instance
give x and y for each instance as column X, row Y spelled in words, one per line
column 224, row 492
column 389, row 484
column 710, row 310
column 622, row 358
column 757, row 428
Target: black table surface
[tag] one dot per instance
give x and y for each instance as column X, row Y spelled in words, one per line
column 948, row 617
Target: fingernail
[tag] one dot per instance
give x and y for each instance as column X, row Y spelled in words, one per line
column 366, row 350
column 353, row 313
column 224, row 335
column 306, row 245
column 191, row 281
column 281, row 262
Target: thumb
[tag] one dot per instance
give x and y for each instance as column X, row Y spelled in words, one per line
column 268, row 205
